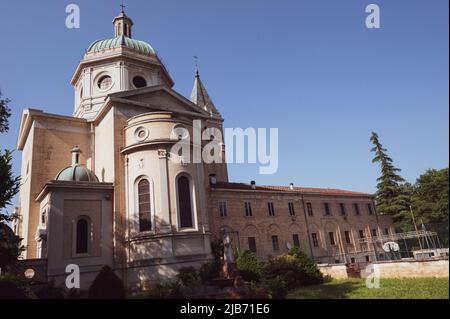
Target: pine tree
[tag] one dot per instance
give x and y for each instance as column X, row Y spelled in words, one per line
column 393, row 195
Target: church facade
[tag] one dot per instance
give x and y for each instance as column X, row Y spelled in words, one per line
column 101, row 187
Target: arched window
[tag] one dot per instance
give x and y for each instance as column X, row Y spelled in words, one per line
column 184, row 202
column 145, row 218
column 82, row 239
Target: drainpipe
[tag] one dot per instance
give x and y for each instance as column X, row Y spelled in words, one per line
column 307, row 227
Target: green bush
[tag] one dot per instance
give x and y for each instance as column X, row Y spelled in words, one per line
column 209, row 271
column 295, row 269
column 277, row 288
column 254, row 290
column 249, row 266
column 313, row 275
column 171, row 290
column 188, row 276
column 107, row 285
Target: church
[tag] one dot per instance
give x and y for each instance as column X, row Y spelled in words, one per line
column 101, row 187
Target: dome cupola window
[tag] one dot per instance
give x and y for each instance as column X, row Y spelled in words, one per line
column 139, row 82
column 104, row 82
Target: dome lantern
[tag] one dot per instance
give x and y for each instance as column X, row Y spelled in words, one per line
column 76, row 172
column 122, row 24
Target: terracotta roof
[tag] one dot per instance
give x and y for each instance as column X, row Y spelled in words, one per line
column 305, row 190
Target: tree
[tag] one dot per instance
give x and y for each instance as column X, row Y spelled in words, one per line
column 5, row 113
column 9, row 186
column 430, row 201
column 107, row 285
column 392, row 197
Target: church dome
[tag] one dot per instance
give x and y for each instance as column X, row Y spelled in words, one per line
column 119, row 41
column 76, row 172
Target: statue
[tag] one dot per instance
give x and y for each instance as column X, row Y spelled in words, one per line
column 228, row 250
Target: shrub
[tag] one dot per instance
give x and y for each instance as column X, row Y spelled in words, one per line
column 12, row 287
column 209, row 271
column 107, row 285
column 277, row 288
column 294, row 269
column 255, row 290
column 188, row 276
column 163, row 291
column 49, row 291
column 249, row 266
column 312, row 274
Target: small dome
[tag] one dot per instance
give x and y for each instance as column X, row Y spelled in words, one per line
column 76, row 173
column 117, row 42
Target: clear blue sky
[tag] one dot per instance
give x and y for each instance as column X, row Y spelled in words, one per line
column 310, row 68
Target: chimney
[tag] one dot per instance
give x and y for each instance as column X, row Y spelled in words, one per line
column 291, row 186
column 253, row 184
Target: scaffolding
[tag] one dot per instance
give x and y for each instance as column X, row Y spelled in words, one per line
column 425, row 238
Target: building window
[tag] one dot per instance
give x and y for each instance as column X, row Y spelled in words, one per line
column 43, row 217
column 348, row 239
column 145, row 219
column 352, row 260
column 296, row 240
column 370, row 209
column 386, row 231
column 104, row 82
column 361, row 234
column 315, row 239
column 367, row 258
column 342, row 206
column 291, row 209
column 309, row 209
column 82, row 240
column 271, row 209
column 184, row 202
column 327, row 209
column 332, row 241
column 248, row 209
column 252, row 244
column 356, row 205
column 374, row 232
column 275, row 244
column 139, row 82
column 223, row 209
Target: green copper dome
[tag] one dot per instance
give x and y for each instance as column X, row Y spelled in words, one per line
column 76, row 173
column 117, row 42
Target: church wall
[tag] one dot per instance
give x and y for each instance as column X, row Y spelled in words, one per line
column 25, row 187
column 52, row 140
column 66, row 206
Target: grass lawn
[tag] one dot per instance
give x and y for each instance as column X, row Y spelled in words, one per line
column 410, row 288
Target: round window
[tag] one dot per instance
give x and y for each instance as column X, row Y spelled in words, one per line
column 139, row 82
column 141, row 133
column 29, row 273
column 104, row 82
